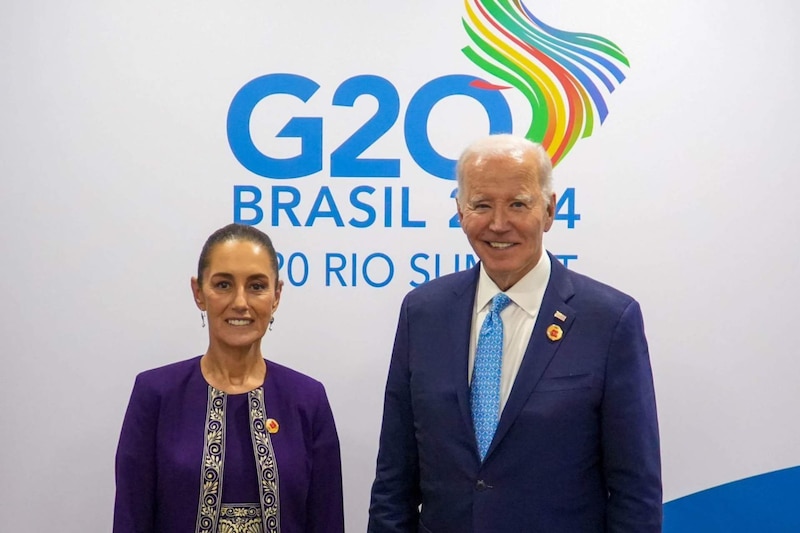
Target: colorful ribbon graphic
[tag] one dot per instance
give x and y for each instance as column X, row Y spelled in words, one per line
column 557, row 71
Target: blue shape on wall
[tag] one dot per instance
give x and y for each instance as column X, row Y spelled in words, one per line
column 767, row 503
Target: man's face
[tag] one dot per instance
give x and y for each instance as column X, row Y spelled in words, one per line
column 504, row 215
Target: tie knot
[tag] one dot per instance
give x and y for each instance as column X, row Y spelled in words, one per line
column 500, row 302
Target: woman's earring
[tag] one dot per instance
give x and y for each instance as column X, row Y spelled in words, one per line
column 203, row 318
column 271, row 321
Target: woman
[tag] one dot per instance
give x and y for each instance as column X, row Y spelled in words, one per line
column 227, row 441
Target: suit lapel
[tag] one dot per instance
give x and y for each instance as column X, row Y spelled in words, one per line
column 461, row 324
column 541, row 349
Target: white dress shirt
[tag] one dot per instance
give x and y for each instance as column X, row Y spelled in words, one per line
column 518, row 319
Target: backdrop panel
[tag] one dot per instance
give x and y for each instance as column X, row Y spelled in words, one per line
column 132, row 130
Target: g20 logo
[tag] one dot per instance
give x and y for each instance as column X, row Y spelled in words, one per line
column 346, row 160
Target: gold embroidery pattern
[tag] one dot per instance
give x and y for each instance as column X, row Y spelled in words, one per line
column 265, row 462
column 240, row 518
column 213, row 453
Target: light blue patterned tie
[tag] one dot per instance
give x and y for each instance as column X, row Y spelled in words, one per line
column 485, row 392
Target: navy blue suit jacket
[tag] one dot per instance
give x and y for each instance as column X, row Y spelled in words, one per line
column 577, row 447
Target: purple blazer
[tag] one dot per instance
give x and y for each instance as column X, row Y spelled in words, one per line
column 188, row 454
column 577, row 447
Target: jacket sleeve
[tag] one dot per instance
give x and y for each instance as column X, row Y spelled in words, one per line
column 135, row 469
column 630, row 441
column 325, row 508
column 395, row 501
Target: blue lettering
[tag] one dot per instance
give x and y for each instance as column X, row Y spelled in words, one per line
column 565, row 259
column 435, row 270
column 290, row 270
column 336, row 265
column 240, row 203
column 567, row 202
column 366, row 208
column 365, row 272
column 345, row 160
column 418, row 269
column 317, row 212
column 423, row 102
column 278, row 205
column 455, row 222
column 307, row 129
column 406, row 223
column 387, row 206
column 287, row 206
column 331, row 269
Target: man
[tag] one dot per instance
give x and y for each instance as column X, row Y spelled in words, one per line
column 562, row 436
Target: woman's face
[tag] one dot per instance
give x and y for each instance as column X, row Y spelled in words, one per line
column 239, row 292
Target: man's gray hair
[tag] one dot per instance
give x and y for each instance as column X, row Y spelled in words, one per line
column 511, row 146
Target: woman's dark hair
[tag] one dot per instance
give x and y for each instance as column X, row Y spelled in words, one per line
column 235, row 232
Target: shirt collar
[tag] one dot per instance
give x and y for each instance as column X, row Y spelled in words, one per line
column 527, row 293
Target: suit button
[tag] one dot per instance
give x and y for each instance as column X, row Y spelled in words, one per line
column 481, row 485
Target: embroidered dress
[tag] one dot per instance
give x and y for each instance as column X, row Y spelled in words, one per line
column 233, row 422
column 240, row 519
column 195, row 459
